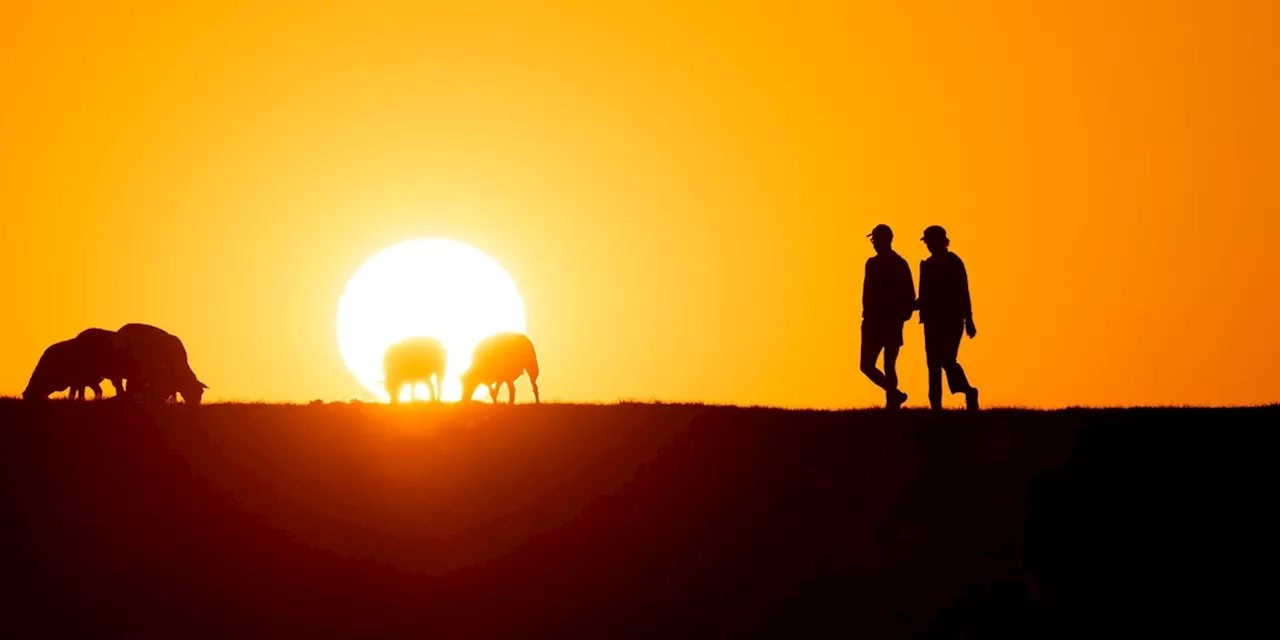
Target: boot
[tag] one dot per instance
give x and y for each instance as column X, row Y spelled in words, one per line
column 894, row 398
column 971, row 399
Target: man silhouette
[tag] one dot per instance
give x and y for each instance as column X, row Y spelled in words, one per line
column 888, row 300
column 946, row 313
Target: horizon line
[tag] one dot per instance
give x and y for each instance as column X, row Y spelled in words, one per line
column 666, row 403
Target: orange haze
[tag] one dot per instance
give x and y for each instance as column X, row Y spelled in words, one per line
column 680, row 189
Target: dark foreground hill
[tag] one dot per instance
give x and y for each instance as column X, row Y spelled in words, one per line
column 631, row 521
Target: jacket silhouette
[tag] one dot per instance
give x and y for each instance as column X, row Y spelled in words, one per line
column 944, row 289
column 888, row 291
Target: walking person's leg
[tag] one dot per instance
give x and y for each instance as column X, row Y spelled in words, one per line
column 931, row 348
column 877, row 338
column 935, row 385
column 871, row 346
column 893, row 396
column 957, row 381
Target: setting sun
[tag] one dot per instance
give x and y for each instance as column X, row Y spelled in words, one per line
column 428, row 287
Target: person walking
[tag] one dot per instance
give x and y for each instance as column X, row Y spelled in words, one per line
column 946, row 312
column 888, row 300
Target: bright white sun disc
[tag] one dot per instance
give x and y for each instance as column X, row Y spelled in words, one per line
column 427, row 287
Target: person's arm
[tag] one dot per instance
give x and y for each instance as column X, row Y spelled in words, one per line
column 908, row 292
column 923, row 297
column 866, row 287
column 966, row 304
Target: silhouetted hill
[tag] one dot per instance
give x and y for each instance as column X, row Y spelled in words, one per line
column 631, row 521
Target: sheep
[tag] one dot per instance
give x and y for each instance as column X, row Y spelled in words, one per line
column 62, row 366
column 501, row 358
column 100, row 352
column 161, row 363
column 414, row 360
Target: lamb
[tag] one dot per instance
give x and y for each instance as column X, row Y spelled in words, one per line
column 161, row 363
column 411, row 361
column 501, row 358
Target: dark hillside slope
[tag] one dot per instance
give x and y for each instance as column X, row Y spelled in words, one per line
column 631, row 521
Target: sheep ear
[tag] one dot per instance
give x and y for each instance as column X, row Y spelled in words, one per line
column 203, row 385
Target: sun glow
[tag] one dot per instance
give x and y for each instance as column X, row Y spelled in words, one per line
column 427, row 287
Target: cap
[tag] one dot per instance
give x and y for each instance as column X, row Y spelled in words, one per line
column 881, row 230
column 934, row 231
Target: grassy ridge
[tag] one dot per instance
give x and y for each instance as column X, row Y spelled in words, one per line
column 632, row 519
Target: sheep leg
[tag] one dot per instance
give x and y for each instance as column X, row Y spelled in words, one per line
column 511, row 388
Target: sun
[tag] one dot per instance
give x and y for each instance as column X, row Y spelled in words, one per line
column 426, row 287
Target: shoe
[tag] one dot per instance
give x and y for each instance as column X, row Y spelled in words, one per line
column 971, row 398
column 895, row 399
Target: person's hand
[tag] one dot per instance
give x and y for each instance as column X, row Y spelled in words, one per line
column 970, row 328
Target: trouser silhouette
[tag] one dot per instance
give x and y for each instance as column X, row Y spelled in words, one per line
column 877, row 336
column 941, row 346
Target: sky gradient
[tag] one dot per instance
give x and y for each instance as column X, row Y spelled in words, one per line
column 680, row 190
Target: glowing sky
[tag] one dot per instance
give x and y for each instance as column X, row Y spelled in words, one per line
column 680, row 190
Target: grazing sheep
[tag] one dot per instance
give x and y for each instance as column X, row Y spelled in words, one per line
column 60, row 367
column 498, row 359
column 411, row 361
column 104, row 357
column 160, row 362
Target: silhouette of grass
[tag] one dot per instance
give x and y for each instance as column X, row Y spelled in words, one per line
column 628, row 519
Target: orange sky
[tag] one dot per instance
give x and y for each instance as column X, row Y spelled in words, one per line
column 680, row 189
